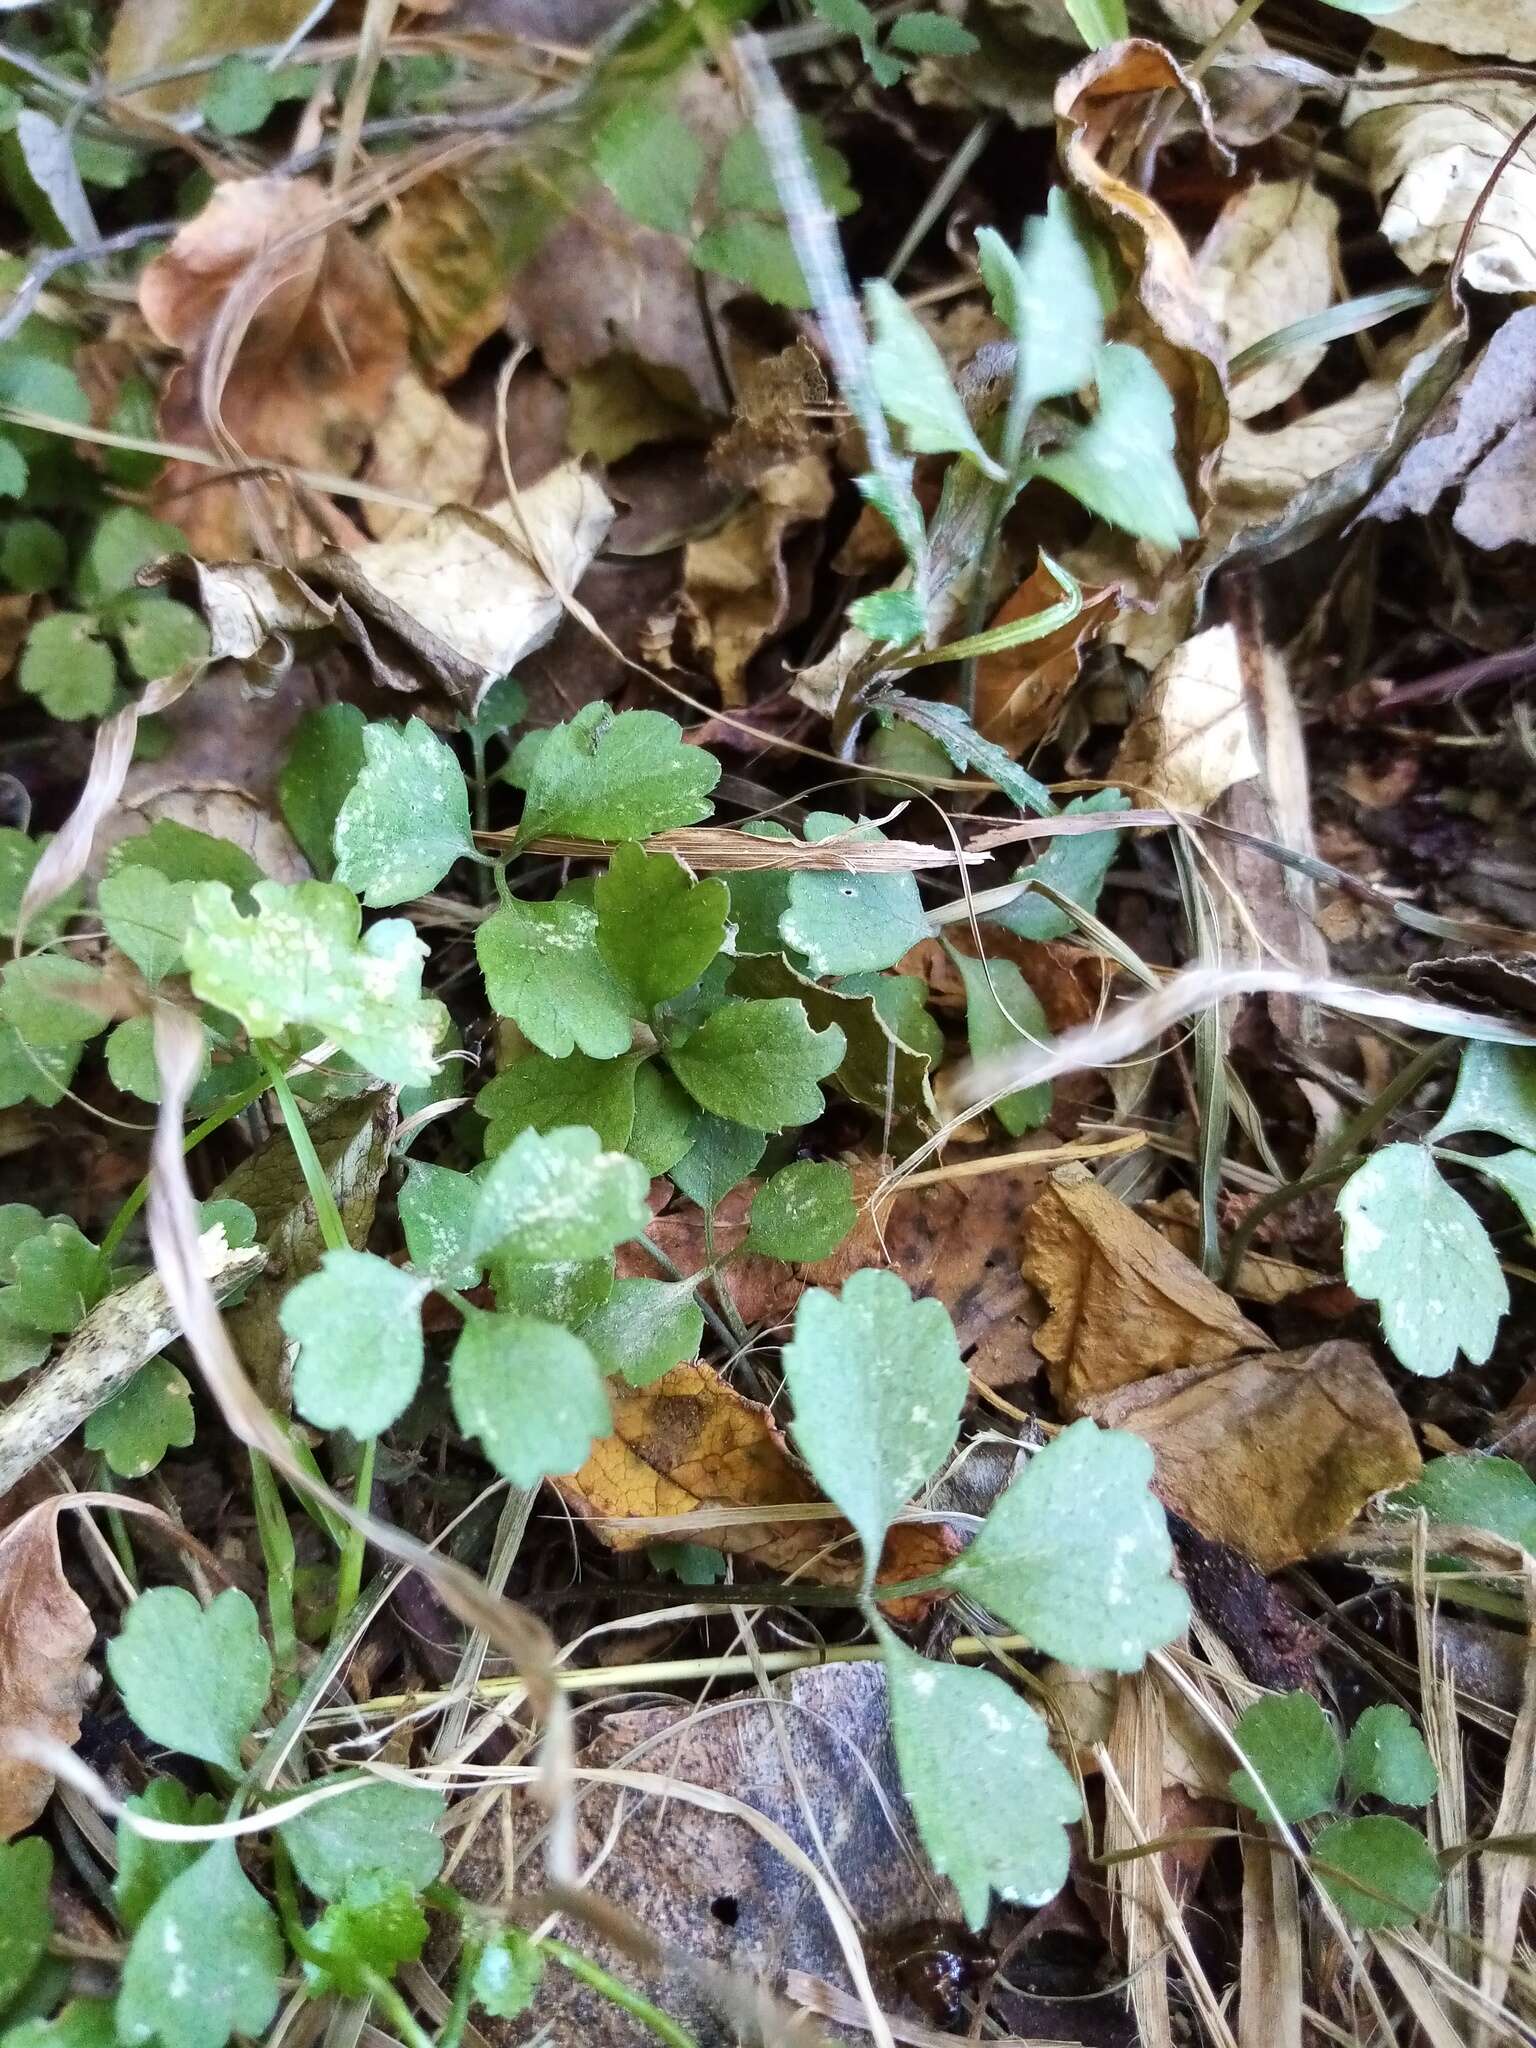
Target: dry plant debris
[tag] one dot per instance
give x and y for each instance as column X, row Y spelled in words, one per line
column 767, row 1054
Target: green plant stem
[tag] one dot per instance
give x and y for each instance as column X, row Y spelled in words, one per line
column 597, row 1979
column 280, row 1557
column 333, row 1232
column 1234, row 25
column 452, row 2032
column 117, row 1229
column 404, row 2021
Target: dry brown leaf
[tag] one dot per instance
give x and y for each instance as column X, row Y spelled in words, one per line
column 153, row 35
column 450, row 266
column 1271, row 1456
column 1190, row 739
column 1274, row 246
column 1082, row 1713
column 1069, row 980
column 690, row 1441
column 1124, row 1304
column 45, row 1632
column 737, row 586
column 1496, row 28
column 319, row 342
column 423, row 449
column 1259, row 1277
column 1107, row 98
column 1429, row 154
column 1020, row 691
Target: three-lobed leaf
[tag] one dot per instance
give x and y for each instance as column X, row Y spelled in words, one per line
column 847, row 923
column 644, row 1328
column 1076, row 1553
column 1379, row 1871
column 1294, row 1758
column 1386, row 1758
column 558, row 1195
column 758, row 1062
column 206, row 1961
column 803, row 1212
column 611, row 776
column 195, row 1678
column 357, row 1323
column 543, row 969
column 531, row 1392
column 657, row 929
column 152, row 1415
column 1495, row 1494
column 405, row 819
column 878, row 1386
column 376, row 1825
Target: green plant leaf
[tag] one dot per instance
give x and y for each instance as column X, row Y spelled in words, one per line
column 357, row 1323
column 932, row 35
column 195, row 1678
column 991, row 1799
column 558, row 1195
column 146, row 1866
column 152, row 1415
column 1047, row 298
column 1294, row 1750
column 901, row 1004
column 182, row 854
column 372, row 1929
column 240, row 97
column 1102, row 22
column 850, row 923
column 206, row 1962
column 33, row 555
column 1515, row 1173
column 963, row 744
column 1414, row 1246
column 666, row 1122
column 531, row 1392
column 26, row 1869
column 21, row 1346
column 1386, row 1758
column 157, row 634
column 147, row 918
column 19, row 855
column 1000, row 1014
column 1121, row 465
column 405, row 820
column 1076, row 1554
column 757, row 253
column 652, row 163
column 1495, row 1091
column 67, row 667
column 644, row 1328
column 657, row 928
column 757, row 1063
column 81, row 2023
column 538, row 1093
column 130, row 1056
column 760, row 897
column 59, row 1278
column 437, row 1213
column 380, row 1826
column 612, row 776
column 14, row 471
column 894, row 615
column 124, row 541
column 563, row 1291
column 878, row 1386
column 543, row 969
column 47, row 997
column 1074, row 865
column 19, row 1221
column 507, row 1974
column 721, row 1156
column 803, row 1212
column 745, row 181
column 325, row 758
column 30, row 1073
column 304, row 959
column 1378, row 1871
column 1475, row 1492
column 914, row 384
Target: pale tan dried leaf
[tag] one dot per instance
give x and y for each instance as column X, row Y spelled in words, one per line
column 690, row 1441
column 1270, row 259
column 423, row 449
column 1270, row 1984
column 45, row 1632
column 1259, row 1277
column 736, row 584
column 1272, row 1456
column 1082, row 1713
column 1124, row 1304
column 153, row 35
column 1430, row 152
column 1190, row 739
column 1494, row 28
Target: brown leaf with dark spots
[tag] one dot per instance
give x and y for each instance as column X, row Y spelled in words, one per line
column 449, row 262
column 690, row 1441
column 45, row 1632
column 1124, row 1303
column 1275, row 1455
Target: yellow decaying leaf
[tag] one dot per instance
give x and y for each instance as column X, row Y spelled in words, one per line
column 1124, row 1304
column 1272, row 1456
column 45, row 1631
column 448, row 262
column 1430, row 153
column 1269, row 260
column 1190, row 738
column 423, row 449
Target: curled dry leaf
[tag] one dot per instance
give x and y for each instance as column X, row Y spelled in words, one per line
column 425, row 450
column 1274, row 1455
column 1190, row 739
column 1429, row 152
column 1020, row 691
column 1109, row 94
column 294, row 339
column 1124, row 1304
column 1270, row 259
column 45, row 1632
column 689, row 1441
column 738, row 588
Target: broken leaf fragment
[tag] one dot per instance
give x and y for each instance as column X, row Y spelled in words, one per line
column 1191, row 739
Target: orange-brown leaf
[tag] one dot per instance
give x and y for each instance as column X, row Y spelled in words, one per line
column 45, row 1632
